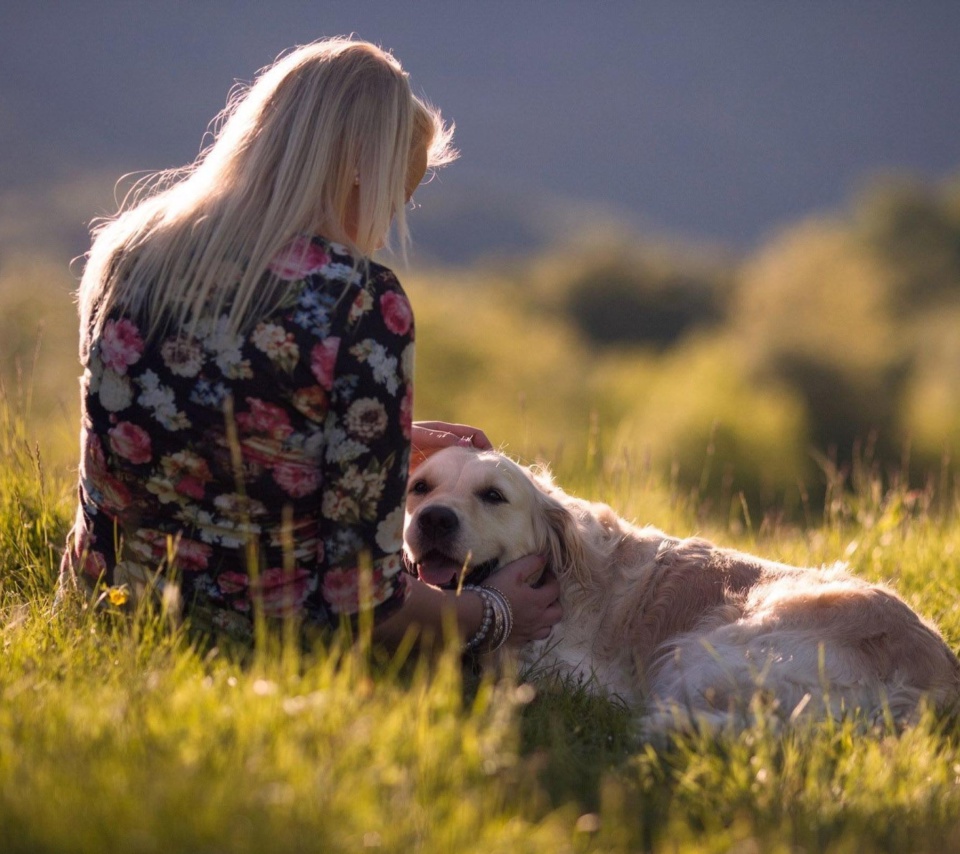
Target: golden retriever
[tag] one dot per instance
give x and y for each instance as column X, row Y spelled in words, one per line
column 680, row 628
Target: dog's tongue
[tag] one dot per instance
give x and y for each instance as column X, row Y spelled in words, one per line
column 438, row 570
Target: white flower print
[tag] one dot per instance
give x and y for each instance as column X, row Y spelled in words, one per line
column 268, row 336
column 342, row 273
column 92, row 375
column 116, row 392
column 341, row 448
column 233, row 505
column 183, row 356
column 406, row 362
column 362, row 350
column 225, row 346
column 391, row 565
column 366, row 418
column 161, row 399
column 384, row 366
column 340, row 507
column 233, row 365
column 164, row 489
column 313, row 444
column 389, row 535
column 229, row 534
column 361, row 305
column 277, row 343
column 365, row 487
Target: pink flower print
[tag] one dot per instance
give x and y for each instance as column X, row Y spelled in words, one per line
column 297, row 479
column 155, row 547
column 93, row 465
column 383, row 585
column 114, row 497
column 233, row 582
column 120, row 345
column 283, row 592
column 192, row 556
column 191, row 487
column 265, row 418
column 262, row 451
column 300, row 258
column 397, row 314
column 94, row 564
column 150, row 546
column 406, row 412
column 340, row 590
column 323, row 360
column 130, row 442
column 188, row 473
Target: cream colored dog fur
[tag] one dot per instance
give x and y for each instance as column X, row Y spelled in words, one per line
column 680, row 628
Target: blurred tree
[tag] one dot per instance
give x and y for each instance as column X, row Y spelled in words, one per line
column 622, row 303
column 915, row 231
column 815, row 313
column 695, row 409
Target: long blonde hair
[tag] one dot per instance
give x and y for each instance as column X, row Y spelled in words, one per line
column 288, row 153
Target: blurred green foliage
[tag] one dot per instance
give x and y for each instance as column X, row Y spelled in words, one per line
column 619, row 303
column 751, row 379
column 38, row 346
column 744, row 380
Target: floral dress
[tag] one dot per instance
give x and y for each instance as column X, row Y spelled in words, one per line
column 261, row 469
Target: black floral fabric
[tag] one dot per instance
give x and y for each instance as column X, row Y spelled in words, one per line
column 263, row 468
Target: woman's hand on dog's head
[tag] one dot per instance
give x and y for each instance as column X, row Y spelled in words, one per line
column 431, row 436
column 533, row 592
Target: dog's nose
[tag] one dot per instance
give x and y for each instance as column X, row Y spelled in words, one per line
column 437, row 523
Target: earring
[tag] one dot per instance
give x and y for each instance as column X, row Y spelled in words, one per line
column 356, row 179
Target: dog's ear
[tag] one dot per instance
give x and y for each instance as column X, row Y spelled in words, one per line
column 559, row 536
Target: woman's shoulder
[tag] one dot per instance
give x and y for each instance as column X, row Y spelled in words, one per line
column 328, row 290
column 324, row 263
column 371, row 274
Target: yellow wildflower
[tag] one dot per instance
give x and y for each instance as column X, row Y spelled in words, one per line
column 118, row 596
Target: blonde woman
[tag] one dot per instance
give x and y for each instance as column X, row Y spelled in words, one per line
column 246, row 426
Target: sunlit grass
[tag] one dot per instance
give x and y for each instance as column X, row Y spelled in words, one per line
column 121, row 733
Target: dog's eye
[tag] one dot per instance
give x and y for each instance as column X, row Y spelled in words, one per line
column 419, row 487
column 493, row 496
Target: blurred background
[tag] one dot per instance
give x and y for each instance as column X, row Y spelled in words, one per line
column 717, row 241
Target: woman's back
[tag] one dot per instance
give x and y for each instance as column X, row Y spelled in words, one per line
column 254, row 465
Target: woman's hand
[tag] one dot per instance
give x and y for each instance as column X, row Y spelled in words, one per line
column 430, row 436
column 535, row 609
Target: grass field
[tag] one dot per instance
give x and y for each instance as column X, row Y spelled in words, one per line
column 119, row 734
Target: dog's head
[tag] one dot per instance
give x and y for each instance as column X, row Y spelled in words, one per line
column 472, row 511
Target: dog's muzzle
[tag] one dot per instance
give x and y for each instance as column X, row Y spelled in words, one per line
column 437, row 524
column 437, row 528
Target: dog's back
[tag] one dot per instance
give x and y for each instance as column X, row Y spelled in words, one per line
column 688, row 630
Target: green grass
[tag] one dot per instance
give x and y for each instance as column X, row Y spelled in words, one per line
column 119, row 733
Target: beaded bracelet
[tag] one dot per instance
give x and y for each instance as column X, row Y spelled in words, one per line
column 486, row 621
column 503, row 616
